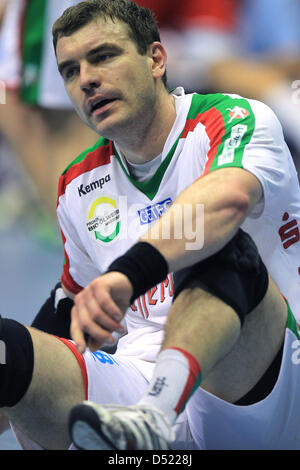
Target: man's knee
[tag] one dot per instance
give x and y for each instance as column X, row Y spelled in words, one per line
column 194, row 292
column 17, row 360
column 236, row 275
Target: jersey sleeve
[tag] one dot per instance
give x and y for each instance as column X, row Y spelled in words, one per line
column 247, row 134
column 268, row 157
column 78, row 269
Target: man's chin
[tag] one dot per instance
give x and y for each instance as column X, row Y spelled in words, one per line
column 109, row 128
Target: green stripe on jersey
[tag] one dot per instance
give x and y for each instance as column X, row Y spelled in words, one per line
column 100, row 143
column 150, row 188
column 291, row 322
column 232, row 120
column 32, row 49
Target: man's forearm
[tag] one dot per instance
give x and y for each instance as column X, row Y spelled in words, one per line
column 225, row 207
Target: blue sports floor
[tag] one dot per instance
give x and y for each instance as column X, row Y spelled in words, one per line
column 29, row 269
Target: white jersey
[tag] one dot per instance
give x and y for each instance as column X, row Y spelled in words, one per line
column 103, row 211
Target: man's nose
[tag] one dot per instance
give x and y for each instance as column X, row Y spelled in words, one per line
column 89, row 77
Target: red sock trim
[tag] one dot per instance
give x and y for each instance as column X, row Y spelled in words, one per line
column 80, row 360
column 194, row 376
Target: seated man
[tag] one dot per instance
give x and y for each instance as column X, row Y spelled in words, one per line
column 240, row 138
column 234, row 374
column 178, row 154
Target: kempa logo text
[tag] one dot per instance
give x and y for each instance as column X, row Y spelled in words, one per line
column 84, row 190
column 2, row 353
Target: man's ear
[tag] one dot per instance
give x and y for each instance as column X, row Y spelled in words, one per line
column 159, row 59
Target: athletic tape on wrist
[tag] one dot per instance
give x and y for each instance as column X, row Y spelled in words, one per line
column 144, row 266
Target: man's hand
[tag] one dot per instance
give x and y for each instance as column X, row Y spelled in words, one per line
column 99, row 309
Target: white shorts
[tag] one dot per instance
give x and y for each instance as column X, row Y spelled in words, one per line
column 114, row 379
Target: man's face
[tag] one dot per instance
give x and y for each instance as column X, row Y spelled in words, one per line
column 109, row 83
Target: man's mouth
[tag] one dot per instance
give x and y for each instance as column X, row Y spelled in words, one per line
column 100, row 104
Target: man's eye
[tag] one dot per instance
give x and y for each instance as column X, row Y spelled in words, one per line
column 101, row 58
column 70, row 72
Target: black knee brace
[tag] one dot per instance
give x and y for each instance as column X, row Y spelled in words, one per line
column 236, row 275
column 16, row 362
column 55, row 319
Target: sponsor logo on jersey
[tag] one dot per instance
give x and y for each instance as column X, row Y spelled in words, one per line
column 237, row 113
column 152, row 213
column 104, row 358
column 103, row 222
column 84, row 190
column 231, row 144
column 289, row 232
column 157, row 295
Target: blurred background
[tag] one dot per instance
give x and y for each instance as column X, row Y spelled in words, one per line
column 248, row 47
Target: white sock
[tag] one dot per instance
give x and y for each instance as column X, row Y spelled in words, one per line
column 176, row 375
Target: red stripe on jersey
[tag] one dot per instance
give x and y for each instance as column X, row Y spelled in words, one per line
column 80, row 360
column 213, row 122
column 99, row 157
column 195, row 371
column 66, row 277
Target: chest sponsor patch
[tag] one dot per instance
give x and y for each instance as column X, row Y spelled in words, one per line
column 104, row 222
column 151, row 213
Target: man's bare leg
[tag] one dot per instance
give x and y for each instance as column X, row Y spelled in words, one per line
column 57, row 385
column 205, row 345
column 201, row 330
column 232, row 359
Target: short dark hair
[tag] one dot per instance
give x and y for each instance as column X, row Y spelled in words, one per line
column 141, row 21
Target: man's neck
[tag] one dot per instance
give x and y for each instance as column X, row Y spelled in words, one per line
column 149, row 142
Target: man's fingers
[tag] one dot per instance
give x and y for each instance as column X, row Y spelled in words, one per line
column 99, row 308
column 83, row 323
column 76, row 331
column 107, row 304
column 91, row 312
